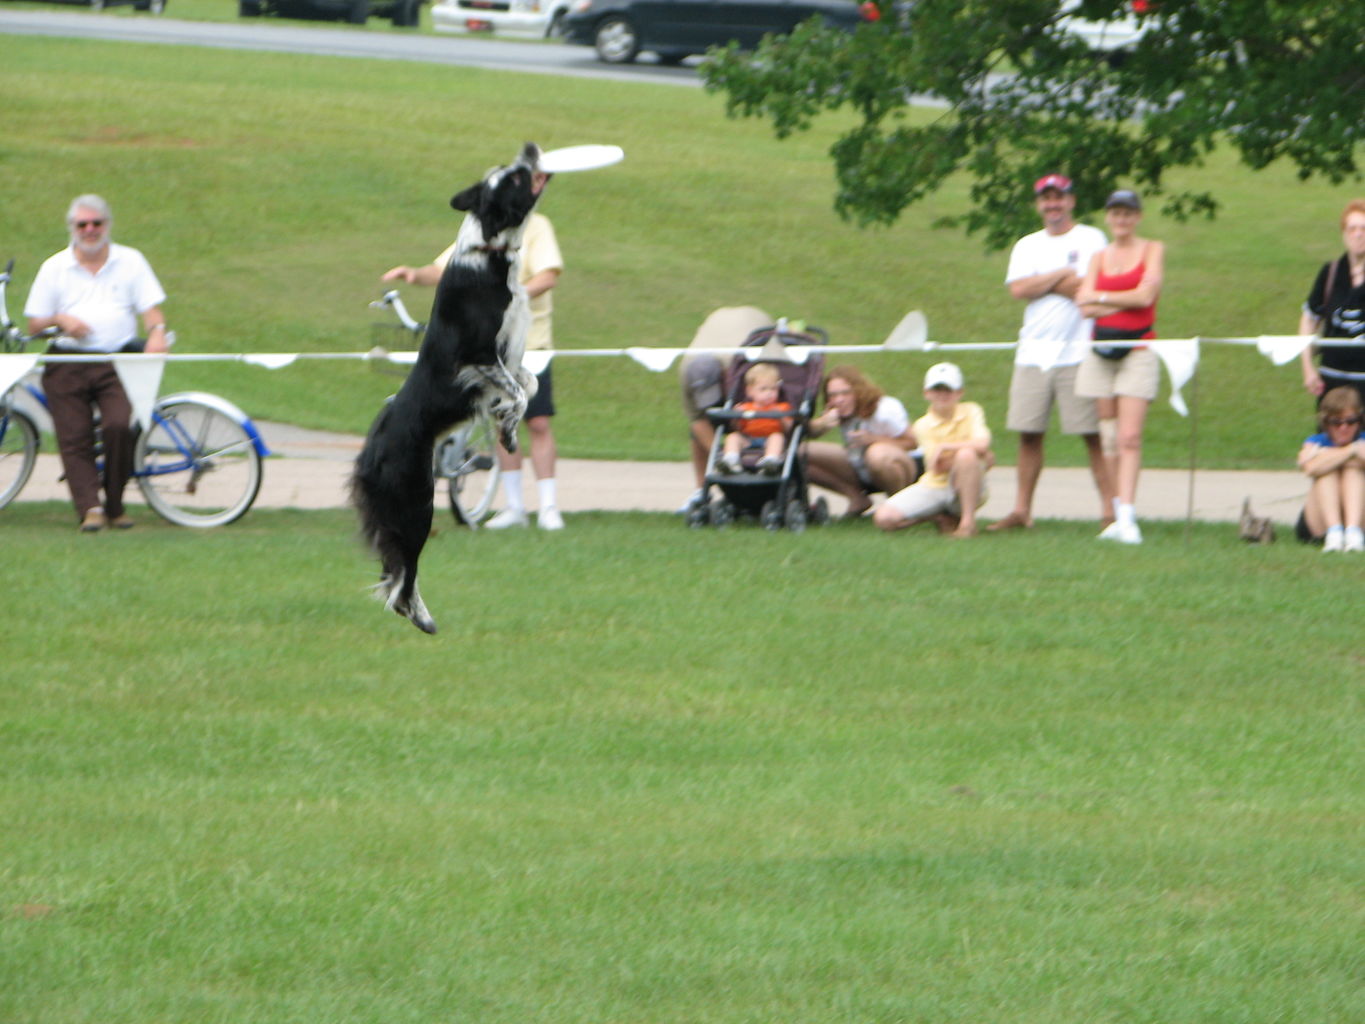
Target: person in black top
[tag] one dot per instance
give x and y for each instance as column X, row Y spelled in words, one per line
column 1336, row 309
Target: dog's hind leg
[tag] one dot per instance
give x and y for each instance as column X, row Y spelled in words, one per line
column 415, row 609
column 404, row 600
column 413, row 538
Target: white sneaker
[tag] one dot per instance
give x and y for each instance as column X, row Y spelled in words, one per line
column 508, row 517
column 692, row 501
column 1122, row 533
column 549, row 519
column 1355, row 539
column 1334, row 541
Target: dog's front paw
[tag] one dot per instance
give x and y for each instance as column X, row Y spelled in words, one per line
column 529, row 382
column 508, row 417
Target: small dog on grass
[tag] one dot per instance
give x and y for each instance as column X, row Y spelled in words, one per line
column 469, row 363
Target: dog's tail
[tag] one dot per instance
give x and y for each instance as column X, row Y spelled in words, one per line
column 391, row 490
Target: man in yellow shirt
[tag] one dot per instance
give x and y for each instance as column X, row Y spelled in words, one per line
column 539, row 270
column 956, row 444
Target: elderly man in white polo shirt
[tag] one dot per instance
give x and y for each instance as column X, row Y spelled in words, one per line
column 1045, row 270
column 93, row 292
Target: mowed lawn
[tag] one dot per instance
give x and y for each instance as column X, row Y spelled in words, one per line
column 644, row 774
column 649, row 774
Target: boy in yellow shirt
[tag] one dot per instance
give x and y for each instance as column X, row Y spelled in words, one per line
column 956, row 444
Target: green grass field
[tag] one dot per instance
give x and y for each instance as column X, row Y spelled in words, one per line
column 728, row 777
column 271, row 190
column 646, row 774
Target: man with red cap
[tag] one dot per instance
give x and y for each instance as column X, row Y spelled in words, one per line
column 1045, row 269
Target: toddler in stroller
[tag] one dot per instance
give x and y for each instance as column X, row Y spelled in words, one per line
column 774, row 395
column 760, row 430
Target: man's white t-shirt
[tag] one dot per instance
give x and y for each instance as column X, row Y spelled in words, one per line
column 109, row 301
column 1053, row 318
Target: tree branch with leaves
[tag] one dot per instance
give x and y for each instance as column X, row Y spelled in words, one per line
column 1021, row 96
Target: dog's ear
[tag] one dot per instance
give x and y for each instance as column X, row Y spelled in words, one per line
column 467, row 200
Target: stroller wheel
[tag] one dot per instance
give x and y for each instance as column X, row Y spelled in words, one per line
column 771, row 516
column 796, row 516
column 819, row 512
column 722, row 513
column 698, row 515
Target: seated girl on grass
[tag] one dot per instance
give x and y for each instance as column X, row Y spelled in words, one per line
column 1334, row 459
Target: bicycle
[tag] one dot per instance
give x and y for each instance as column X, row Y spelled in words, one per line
column 467, row 457
column 198, row 464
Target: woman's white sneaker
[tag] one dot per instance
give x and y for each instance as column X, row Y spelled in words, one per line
column 1122, row 533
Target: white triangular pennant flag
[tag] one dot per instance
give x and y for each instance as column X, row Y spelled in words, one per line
column 141, row 379
column 13, row 368
column 656, row 359
column 1180, row 359
column 1283, row 348
column 270, row 360
column 772, row 351
column 534, row 362
column 910, row 334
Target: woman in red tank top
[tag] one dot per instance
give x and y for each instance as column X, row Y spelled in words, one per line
column 1120, row 291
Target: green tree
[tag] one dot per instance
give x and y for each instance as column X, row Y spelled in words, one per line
column 1276, row 79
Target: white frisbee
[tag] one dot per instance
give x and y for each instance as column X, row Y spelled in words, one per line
column 580, row 158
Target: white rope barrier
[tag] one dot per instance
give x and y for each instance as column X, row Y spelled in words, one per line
column 142, row 371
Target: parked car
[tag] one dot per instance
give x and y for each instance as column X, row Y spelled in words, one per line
column 519, row 19
column 403, row 13
column 674, row 29
column 154, row 6
column 1110, row 38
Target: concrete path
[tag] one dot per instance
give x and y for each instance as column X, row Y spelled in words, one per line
column 310, row 470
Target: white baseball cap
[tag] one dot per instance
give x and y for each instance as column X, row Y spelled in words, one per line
column 943, row 375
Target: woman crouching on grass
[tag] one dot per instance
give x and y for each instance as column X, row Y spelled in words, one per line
column 875, row 456
column 1334, row 459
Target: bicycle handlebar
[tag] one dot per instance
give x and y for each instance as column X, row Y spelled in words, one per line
column 392, row 300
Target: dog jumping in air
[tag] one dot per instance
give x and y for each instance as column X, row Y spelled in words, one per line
column 469, row 363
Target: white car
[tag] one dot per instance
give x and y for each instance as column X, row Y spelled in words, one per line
column 1105, row 36
column 517, row 19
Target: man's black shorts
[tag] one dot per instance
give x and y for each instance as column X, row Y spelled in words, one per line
column 543, row 404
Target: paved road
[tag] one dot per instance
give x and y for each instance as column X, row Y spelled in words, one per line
column 343, row 41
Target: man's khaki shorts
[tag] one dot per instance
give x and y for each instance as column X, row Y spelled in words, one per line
column 1032, row 394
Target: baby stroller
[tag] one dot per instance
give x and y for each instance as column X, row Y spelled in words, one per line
column 776, row 500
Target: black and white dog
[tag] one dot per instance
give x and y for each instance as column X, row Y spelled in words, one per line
column 469, row 363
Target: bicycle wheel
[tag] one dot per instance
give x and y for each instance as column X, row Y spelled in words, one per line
column 468, row 460
column 18, row 452
column 196, row 465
